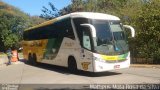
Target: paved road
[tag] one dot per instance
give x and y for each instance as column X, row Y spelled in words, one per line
column 48, row 74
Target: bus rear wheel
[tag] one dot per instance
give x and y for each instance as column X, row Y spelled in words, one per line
column 34, row 61
column 72, row 65
column 29, row 58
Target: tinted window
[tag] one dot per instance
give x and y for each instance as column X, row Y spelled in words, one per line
column 62, row 28
column 83, row 33
column 86, row 38
column 79, row 28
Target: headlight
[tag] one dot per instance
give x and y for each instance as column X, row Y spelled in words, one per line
column 98, row 59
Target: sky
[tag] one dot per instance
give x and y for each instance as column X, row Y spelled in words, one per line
column 34, row 7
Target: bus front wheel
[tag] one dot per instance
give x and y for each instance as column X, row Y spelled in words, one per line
column 72, row 65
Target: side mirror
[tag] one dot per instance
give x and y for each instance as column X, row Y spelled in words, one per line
column 92, row 28
column 131, row 28
column 93, row 32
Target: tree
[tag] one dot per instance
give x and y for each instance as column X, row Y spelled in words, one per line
column 35, row 20
column 148, row 21
column 53, row 12
column 11, row 29
column 49, row 14
column 12, row 24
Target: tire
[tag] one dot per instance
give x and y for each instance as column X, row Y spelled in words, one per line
column 30, row 59
column 34, row 61
column 72, row 65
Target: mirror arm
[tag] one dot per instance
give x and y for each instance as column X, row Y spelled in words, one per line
column 131, row 28
column 93, row 30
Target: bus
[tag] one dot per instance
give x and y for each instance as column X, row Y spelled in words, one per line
column 87, row 41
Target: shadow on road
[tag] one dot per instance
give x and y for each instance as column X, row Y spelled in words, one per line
column 64, row 70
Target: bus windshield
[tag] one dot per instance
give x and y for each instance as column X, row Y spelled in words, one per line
column 110, row 38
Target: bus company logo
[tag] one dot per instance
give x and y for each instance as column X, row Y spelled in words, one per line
column 69, row 44
column 85, row 65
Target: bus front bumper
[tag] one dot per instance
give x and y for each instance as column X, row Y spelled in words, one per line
column 103, row 66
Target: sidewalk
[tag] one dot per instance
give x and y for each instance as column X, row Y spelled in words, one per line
column 4, row 59
column 145, row 66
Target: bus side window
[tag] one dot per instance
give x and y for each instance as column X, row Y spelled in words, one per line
column 65, row 29
column 80, row 30
column 86, row 39
column 69, row 29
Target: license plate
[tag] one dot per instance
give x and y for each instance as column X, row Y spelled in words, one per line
column 116, row 66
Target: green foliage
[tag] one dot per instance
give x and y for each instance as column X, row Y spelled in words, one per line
column 49, row 14
column 12, row 24
column 10, row 28
column 145, row 18
column 35, row 20
column 148, row 23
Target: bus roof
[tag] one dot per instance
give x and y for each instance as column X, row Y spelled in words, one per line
column 90, row 15
column 93, row 15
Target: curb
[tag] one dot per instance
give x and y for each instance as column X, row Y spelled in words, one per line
column 145, row 66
